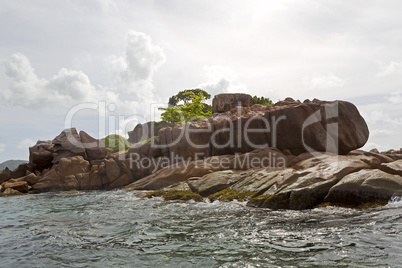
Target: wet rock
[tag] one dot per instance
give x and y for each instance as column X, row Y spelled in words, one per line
column 123, row 180
column 10, row 192
column 215, row 182
column 365, row 186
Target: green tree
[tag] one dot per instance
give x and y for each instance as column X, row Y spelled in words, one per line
column 115, row 143
column 194, row 108
column 185, row 97
column 262, row 100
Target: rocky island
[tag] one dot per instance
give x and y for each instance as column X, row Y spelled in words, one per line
column 291, row 155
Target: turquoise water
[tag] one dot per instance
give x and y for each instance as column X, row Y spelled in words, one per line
column 119, row 229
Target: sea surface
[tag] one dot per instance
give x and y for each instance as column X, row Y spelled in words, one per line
column 120, row 229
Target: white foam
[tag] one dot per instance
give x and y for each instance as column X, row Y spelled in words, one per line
column 395, row 201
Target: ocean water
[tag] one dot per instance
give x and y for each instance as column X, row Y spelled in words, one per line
column 119, row 229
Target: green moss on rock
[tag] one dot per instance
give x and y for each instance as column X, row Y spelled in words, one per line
column 257, row 201
column 276, row 201
column 230, row 195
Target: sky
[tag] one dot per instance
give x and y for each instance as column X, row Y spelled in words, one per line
column 104, row 65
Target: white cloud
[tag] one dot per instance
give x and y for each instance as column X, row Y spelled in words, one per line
column 28, row 90
column 221, row 79
column 390, row 69
column 140, row 61
column 396, row 98
column 26, row 143
column 324, row 81
column 2, row 146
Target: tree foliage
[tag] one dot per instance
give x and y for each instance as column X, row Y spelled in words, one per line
column 262, row 100
column 194, row 107
column 115, row 143
column 185, row 97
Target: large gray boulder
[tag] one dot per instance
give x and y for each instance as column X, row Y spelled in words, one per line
column 227, row 101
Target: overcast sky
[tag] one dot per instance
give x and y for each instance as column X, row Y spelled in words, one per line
column 128, row 57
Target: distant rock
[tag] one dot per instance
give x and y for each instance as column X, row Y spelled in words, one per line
column 11, row 164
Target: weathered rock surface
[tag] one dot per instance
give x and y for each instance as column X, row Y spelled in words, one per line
column 46, row 153
column 145, row 131
column 311, row 182
column 20, row 186
column 67, row 144
column 63, row 176
column 365, row 186
column 10, row 191
column 5, row 175
column 41, row 155
column 31, row 179
column 225, row 102
column 228, row 154
column 393, row 167
column 394, row 154
column 181, row 171
column 297, row 128
column 95, row 149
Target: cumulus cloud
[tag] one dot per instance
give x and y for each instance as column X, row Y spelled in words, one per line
column 28, row 90
column 324, row 81
column 26, row 143
column 2, row 146
column 221, row 79
column 140, row 61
